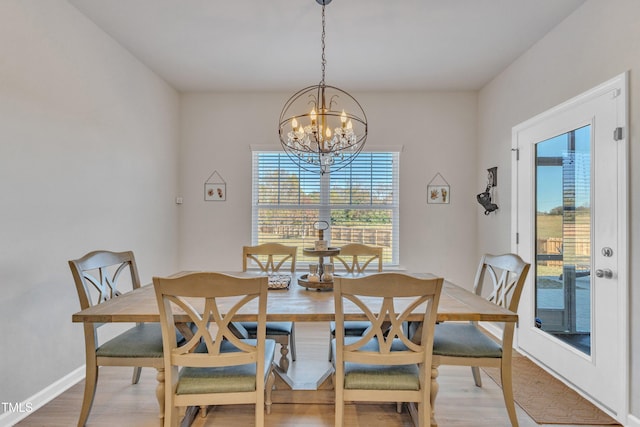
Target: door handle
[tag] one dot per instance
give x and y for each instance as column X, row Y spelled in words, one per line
column 606, row 273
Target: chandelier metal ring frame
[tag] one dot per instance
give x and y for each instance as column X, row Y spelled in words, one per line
column 322, row 128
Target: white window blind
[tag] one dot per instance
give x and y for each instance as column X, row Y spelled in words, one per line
column 360, row 202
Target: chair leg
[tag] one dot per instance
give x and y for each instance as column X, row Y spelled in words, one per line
column 90, row 383
column 268, row 389
column 339, row 417
column 260, row 404
column 422, row 414
column 507, row 391
column 475, row 371
column 172, row 415
column 292, row 342
column 136, row 375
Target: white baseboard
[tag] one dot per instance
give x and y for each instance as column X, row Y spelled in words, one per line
column 633, row 421
column 41, row 398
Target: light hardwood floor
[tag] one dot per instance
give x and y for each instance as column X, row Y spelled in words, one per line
column 118, row 403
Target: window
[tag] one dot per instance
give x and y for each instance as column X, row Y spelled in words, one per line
column 360, row 202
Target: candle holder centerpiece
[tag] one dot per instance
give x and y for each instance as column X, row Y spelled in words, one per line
column 320, row 275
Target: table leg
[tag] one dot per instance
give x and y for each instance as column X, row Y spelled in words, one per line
column 284, row 360
column 434, row 393
column 286, row 392
column 160, row 393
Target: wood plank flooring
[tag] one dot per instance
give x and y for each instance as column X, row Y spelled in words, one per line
column 118, row 403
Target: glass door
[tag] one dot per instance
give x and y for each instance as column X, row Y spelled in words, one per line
column 563, row 237
column 570, row 222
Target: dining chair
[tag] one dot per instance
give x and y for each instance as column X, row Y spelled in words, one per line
column 356, row 258
column 214, row 366
column 99, row 277
column 270, row 257
column 384, row 365
column 466, row 344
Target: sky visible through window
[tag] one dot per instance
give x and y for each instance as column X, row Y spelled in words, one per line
column 549, row 179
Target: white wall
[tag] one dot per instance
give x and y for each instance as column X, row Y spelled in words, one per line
column 88, row 148
column 437, row 131
column 597, row 42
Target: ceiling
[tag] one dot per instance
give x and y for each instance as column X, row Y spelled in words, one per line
column 257, row 45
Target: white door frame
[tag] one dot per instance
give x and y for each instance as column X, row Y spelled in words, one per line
column 620, row 81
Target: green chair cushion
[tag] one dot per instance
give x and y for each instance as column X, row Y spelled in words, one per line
column 273, row 328
column 376, row 377
column 226, row 379
column 463, row 340
column 359, row 376
column 144, row 340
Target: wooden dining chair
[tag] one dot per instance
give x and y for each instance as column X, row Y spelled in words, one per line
column 356, row 258
column 466, row 344
column 384, row 365
column 99, row 277
column 270, row 257
column 214, row 366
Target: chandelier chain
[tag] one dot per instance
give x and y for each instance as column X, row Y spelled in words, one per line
column 324, row 59
column 322, row 140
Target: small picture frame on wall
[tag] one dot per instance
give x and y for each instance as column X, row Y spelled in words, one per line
column 215, row 192
column 215, row 188
column 437, row 194
column 438, row 191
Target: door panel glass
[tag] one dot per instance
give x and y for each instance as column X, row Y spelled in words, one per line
column 563, row 237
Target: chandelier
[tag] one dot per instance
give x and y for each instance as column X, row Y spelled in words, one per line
column 322, row 128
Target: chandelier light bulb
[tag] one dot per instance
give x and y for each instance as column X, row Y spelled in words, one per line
column 313, row 116
column 294, row 124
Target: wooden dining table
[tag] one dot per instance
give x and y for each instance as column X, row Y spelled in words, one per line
column 298, row 304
